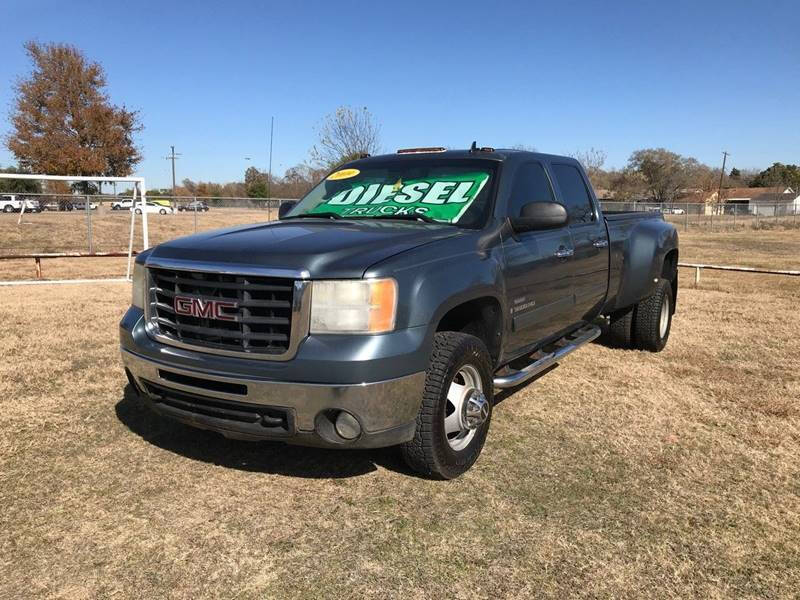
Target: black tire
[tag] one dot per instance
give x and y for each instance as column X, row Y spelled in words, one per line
column 647, row 329
column 138, row 211
column 162, row 212
column 8, row 208
column 619, row 332
column 429, row 453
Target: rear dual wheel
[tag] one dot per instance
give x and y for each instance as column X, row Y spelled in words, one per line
column 646, row 325
column 652, row 319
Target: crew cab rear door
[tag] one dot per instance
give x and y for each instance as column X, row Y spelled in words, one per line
column 537, row 270
column 590, row 263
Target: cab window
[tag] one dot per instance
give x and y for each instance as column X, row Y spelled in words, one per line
column 530, row 185
column 574, row 194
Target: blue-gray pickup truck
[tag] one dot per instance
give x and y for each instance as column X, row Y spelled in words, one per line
column 386, row 306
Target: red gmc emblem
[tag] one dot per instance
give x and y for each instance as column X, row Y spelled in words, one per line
column 207, row 309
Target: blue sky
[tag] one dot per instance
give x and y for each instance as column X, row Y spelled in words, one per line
column 694, row 77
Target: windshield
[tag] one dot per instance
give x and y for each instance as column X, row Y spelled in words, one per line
column 441, row 191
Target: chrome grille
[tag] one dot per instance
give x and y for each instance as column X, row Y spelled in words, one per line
column 257, row 317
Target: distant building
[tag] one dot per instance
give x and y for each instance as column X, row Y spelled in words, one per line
column 775, row 205
column 757, row 200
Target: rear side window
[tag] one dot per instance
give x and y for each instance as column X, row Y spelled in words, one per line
column 574, row 194
column 530, row 185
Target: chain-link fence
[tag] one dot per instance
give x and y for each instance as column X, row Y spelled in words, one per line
column 732, row 215
column 97, row 226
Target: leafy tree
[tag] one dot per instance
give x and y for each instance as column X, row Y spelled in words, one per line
column 345, row 135
column 735, row 174
column 63, row 122
column 18, row 186
column 256, row 183
column 778, row 175
column 626, row 184
column 663, row 172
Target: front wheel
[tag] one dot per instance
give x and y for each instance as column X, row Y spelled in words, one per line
column 8, row 208
column 138, row 211
column 652, row 319
column 456, row 409
column 162, row 212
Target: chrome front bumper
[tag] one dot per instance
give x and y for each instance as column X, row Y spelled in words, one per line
column 386, row 410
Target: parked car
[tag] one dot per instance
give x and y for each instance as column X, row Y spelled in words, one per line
column 151, row 207
column 195, row 205
column 121, row 204
column 676, row 211
column 60, row 204
column 386, row 306
column 14, row 203
column 81, row 205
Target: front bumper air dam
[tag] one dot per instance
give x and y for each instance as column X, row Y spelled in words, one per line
column 386, row 410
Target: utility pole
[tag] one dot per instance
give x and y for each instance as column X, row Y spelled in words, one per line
column 269, row 176
column 173, row 157
column 725, row 156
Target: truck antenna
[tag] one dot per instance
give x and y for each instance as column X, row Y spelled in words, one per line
column 474, row 147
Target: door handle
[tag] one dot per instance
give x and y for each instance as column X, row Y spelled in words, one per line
column 564, row 252
column 600, row 243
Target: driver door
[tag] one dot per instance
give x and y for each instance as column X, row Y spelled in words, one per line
column 538, row 271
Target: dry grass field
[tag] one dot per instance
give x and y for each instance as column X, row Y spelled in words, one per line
column 67, row 232
column 618, row 474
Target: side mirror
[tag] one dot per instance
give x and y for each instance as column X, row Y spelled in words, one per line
column 284, row 208
column 539, row 215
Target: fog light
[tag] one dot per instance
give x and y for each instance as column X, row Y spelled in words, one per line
column 347, row 426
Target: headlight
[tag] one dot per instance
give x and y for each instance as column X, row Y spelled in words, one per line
column 139, row 287
column 353, row 306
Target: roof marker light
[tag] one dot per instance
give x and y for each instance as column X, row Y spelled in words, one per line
column 421, row 150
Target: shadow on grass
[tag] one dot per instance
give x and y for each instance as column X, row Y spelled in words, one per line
column 263, row 457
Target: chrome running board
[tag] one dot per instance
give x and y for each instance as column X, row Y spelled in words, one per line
column 560, row 348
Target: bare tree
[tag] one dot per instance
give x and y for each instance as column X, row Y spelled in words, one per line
column 593, row 161
column 345, row 135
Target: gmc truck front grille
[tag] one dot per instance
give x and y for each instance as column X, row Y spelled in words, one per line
column 223, row 313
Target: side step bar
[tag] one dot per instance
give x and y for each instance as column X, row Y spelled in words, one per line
column 561, row 348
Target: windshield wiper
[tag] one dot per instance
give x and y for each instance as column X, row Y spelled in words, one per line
column 320, row 215
column 412, row 217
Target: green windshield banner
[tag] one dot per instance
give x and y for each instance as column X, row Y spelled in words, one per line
column 443, row 198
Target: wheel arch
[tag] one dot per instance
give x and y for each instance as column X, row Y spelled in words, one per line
column 481, row 316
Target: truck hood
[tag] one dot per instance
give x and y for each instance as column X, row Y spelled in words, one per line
column 333, row 249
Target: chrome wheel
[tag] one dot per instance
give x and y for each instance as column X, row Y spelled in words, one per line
column 663, row 322
column 467, row 407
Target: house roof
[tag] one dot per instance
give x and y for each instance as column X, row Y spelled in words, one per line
column 773, row 198
column 747, row 192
